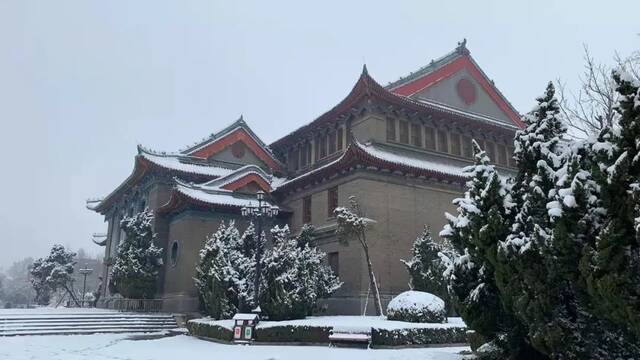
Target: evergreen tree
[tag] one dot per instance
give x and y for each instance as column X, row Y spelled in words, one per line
column 538, row 155
column 217, row 280
column 135, row 272
column 283, row 297
column 53, row 272
column 613, row 263
column 428, row 264
column 317, row 278
column 482, row 219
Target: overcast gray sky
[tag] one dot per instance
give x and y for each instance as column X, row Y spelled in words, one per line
column 82, row 82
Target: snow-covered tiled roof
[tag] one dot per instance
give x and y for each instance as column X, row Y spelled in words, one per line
column 183, row 164
column 469, row 114
column 240, row 173
column 389, row 155
column 216, row 196
column 403, row 158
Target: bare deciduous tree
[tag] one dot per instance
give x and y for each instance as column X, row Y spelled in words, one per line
column 353, row 225
column 592, row 107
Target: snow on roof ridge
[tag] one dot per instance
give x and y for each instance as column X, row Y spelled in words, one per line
column 476, row 116
column 240, row 123
column 433, row 65
column 215, row 196
column 172, row 162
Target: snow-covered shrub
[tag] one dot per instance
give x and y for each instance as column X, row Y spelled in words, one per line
column 135, row 272
column 224, row 272
column 294, row 277
column 210, row 331
column 418, row 336
column 417, row 306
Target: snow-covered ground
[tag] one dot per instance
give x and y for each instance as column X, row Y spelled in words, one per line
column 119, row 347
column 347, row 322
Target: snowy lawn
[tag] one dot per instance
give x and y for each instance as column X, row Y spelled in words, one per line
column 345, row 322
column 119, row 347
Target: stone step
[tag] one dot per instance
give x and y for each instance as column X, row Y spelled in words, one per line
column 84, row 323
column 85, row 316
column 81, row 324
column 82, row 331
column 88, row 327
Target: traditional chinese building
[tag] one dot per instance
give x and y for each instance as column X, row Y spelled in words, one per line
column 399, row 149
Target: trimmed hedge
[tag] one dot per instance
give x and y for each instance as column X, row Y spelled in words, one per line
column 290, row 333
column 211, row 331
column 418, row 336
column 318, row 335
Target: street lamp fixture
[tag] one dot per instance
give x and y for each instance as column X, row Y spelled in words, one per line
column 84, row 272
column 257, row 214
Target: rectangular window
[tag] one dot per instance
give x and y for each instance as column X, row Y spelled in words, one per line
column 502, row 155
column 290, row 161
column 332, row 200
column 430, row 138
column 489, row 148
column 294, row 159
column 334, row 262
column 303, row 156
column 309, row 152
column 332, row 142
column 340, row 138
column 306, row 210
column 467, row 147
column 416, row 135
column 404, row 132
column 455, row 144
column 391, row 129
column 510, row 158
column 443, row 141
column 323, row 146
column 316, row 145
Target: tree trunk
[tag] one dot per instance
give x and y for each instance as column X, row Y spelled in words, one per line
column 72, row 295
column 372, row 279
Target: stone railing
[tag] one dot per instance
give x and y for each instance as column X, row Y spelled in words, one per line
column 133, row 305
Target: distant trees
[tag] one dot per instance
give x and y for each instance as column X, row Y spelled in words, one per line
column 137, row 263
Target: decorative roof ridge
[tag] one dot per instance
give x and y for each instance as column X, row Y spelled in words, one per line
column 239, row 173
column 364, row 82
column 240, row 123
column 183, row 187
column 434, row 64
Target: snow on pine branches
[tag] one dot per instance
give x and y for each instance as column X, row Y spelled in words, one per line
column 138, row 261
column 482, row 219
column 293, row 277
column 52, row 273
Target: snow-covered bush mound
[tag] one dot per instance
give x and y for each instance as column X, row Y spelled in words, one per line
column 417, row 306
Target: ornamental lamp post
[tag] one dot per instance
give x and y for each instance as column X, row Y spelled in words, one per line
column 86, row 271
column 257, row 215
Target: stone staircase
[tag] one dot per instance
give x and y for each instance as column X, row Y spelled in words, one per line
column 84, row 323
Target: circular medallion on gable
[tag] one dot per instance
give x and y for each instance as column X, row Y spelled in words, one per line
column 237, row 149
column 466, row 91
